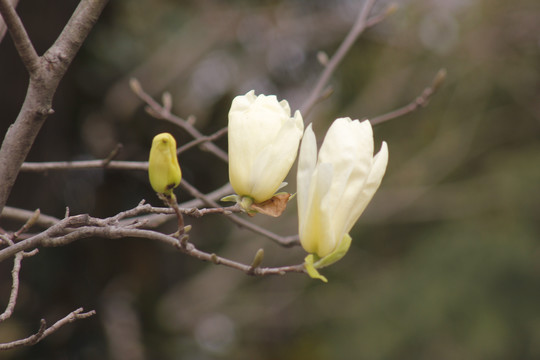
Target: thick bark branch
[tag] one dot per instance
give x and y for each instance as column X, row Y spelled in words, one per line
column 20, row 38
column 3, row 26
column 44, row 81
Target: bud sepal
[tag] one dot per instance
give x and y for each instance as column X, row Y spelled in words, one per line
column 274, row 206
column 312, row 262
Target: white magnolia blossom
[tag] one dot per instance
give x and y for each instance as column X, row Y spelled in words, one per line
column 263, row 144
column 335, row 187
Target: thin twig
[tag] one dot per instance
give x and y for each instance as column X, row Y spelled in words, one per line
column 287, row 241
column 193, row 212
column 203, row 139
column 14, row 287
column 84, row 164
column 359, row 26
column 15, row 283
column 161, row 112
column 43, row 331
column 80, row 227
column 248, row 269
column 154, row 216
column 23, row 215
column 112, row 155
column 17, row 265
column 27, row 225
column 420, row 101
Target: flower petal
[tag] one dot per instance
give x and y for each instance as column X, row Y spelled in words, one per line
column 316, row 226
column 274, row 162
column 307, row 159
column 370, row 187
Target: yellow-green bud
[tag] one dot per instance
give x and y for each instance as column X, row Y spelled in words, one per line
column 163, row 169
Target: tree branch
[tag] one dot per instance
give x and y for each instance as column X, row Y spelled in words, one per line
column 420, row 101
column 208, row 200
column 358, row 28
column 202, row 140
column 287, row 241
column 79, row 227
column 43, row 83
column 43, row 331
column 84, row 164
column 14, row 287
column 162, row 112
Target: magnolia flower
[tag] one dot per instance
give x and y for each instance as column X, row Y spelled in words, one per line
column 163, row 169
column 335, row 188
column 263, row 143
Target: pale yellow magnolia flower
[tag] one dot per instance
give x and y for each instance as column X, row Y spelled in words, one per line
column 334, row 188
column 263, row 144
column 163, row 169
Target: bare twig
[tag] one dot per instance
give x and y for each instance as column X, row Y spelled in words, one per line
column 202, row 140
column 108, row 162
column 209, row 200
column 45, row 331
column 14, row 287
column 112, row 155
column 15, row 283
column 362, row 22
column 286, row 241
column 17, row 265
column 27, row 225
column 154, row 216
column 420, row 101
column 193, row 212
column 161, row 112
column 84, row 164
column 24, row 215
column 79, row 227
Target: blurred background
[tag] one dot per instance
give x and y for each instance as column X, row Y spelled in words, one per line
column 445, row 262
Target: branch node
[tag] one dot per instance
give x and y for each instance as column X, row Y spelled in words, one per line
column 191, row 120
column 112, row 155
column 30, row 253
column 184, row 241
column 215, row 259
column 43, row 112
column 28, row 224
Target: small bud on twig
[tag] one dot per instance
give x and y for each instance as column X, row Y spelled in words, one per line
column 257, row 260
column 439, row 79
column 166, row 99
column 322, row 57
column 191, row 119
column 135, row 86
